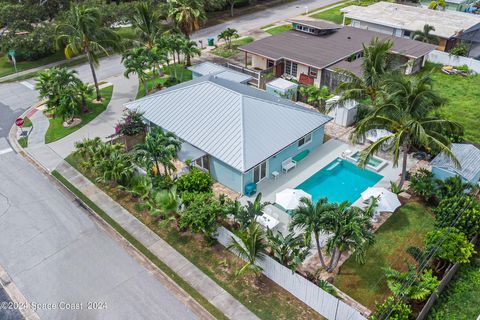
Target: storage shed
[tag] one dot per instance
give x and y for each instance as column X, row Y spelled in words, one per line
column 343, row 114
column 469, row 157
column 283, row 88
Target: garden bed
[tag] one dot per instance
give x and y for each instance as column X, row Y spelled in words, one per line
column 57, row 131
column 224, row 52
column 268, row 301
column 365, row 282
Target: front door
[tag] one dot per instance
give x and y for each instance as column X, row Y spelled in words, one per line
column 260, row 172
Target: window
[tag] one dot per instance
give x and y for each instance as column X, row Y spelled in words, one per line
column 270, row 63
column 203, row 163
column 290, row 68
column 312, row 72
column 406, row 34
column 260, row 172
column 305, row 140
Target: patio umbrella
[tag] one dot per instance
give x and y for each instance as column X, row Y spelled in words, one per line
column 289, row 199
column 387, row 200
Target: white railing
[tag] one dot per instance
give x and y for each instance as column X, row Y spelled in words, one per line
column 313, row 296
column 447, row 59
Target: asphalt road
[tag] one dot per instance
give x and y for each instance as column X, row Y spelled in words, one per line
column 55, row 252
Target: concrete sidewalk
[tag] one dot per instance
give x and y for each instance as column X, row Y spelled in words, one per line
column 208, row 288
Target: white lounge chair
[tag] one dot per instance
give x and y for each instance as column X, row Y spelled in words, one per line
column 288, row 164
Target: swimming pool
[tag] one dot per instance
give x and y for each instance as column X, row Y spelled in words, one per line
column 338, row 181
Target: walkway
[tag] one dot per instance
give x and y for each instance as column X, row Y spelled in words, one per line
column 208, row 288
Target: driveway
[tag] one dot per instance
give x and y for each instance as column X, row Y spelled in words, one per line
column 55, row 253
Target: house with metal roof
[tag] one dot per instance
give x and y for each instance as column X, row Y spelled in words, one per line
column 312, row 51
column 239, row 134
column 469, row 157
column 402, row 21
column 210, row 68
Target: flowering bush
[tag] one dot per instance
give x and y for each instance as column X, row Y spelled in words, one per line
column 131, row 124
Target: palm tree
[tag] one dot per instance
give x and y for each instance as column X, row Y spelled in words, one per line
column 187, row 15
column 375, row 65
column 251, row 212
column 53, row 83
column 407, row 111
column 350, row 229
column 189, row 49
column 227, row 35
column 165, row 204
column 84, row 90
column 159, row 148
column 311, row 217
column 146, row 23
column 156, row 57
column 118, row 168
column 425, row 35
column 137, row 61
column 250, row 246
column 82, row 32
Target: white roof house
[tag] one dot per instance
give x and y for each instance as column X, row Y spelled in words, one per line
column 237, row 124
column 446, row 23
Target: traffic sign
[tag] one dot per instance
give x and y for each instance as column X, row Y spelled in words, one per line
column 19, row 122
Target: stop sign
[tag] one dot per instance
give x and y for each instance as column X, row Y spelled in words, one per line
column 19, row 122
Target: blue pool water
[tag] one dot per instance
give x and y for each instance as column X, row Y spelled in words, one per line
column 338, row 181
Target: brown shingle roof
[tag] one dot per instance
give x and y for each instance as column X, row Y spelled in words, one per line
column 325, row 50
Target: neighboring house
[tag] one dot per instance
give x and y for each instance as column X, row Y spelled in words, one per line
column 453, row 5
column 237, row 133
column 210, row 68
column 471, row 37
column 314, row 49
column 402, row 21
column 469, row 157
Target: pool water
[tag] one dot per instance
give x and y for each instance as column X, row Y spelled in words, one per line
column 338, row 181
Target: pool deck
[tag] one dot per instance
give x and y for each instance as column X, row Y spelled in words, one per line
column 317, row 159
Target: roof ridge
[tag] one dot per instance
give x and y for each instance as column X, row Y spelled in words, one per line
column 242, row 119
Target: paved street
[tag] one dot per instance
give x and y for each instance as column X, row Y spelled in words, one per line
column 55, row 253
column 262, row 18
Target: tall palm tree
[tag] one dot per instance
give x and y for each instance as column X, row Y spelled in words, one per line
column 311, row 217
column 406, row 109
column 146, row 23
column 82, row 33
column 189, row 49
column 375, row 65
column 227, row 35
column 137, row 61
column 250, row 246
column 156, row 57
column 350, row 229
column 159, row 148
column 425, row 35
column 187, row 15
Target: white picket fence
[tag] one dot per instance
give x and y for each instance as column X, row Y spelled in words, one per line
column 324, row 303
column 447, row 59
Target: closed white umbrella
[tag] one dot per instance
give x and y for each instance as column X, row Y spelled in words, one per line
column 289, row 199
column 387, row 200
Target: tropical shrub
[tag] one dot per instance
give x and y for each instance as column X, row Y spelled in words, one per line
column 316, row 278
column 290, row 250
column 422, row 184
column 131, row 124
column 422, row 285
column 164, row 204
column 195, row 181
column 453, row 186
column 37, row 44
column 460, row 49
column 201, row 215
column 392, row 310
column 451, row 245
column 463, row 212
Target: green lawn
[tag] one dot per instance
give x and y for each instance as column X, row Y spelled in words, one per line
column 56, row 130
column 23, row 142
column 461, row 299
column 463, row 96
column 279, row 29
column 168, row 72
column 27, row 122
column 333, row 14
column 126, row 33
column 224, row 52
column 365, row 282
column 6, row 67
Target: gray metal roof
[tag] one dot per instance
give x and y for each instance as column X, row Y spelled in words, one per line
column 321, row 51
column 210, row 68
column 235, row 123
column 467, row 154
column 317, row 24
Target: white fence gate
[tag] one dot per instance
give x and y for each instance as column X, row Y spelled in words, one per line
column 447, row 59
column 324, row 303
